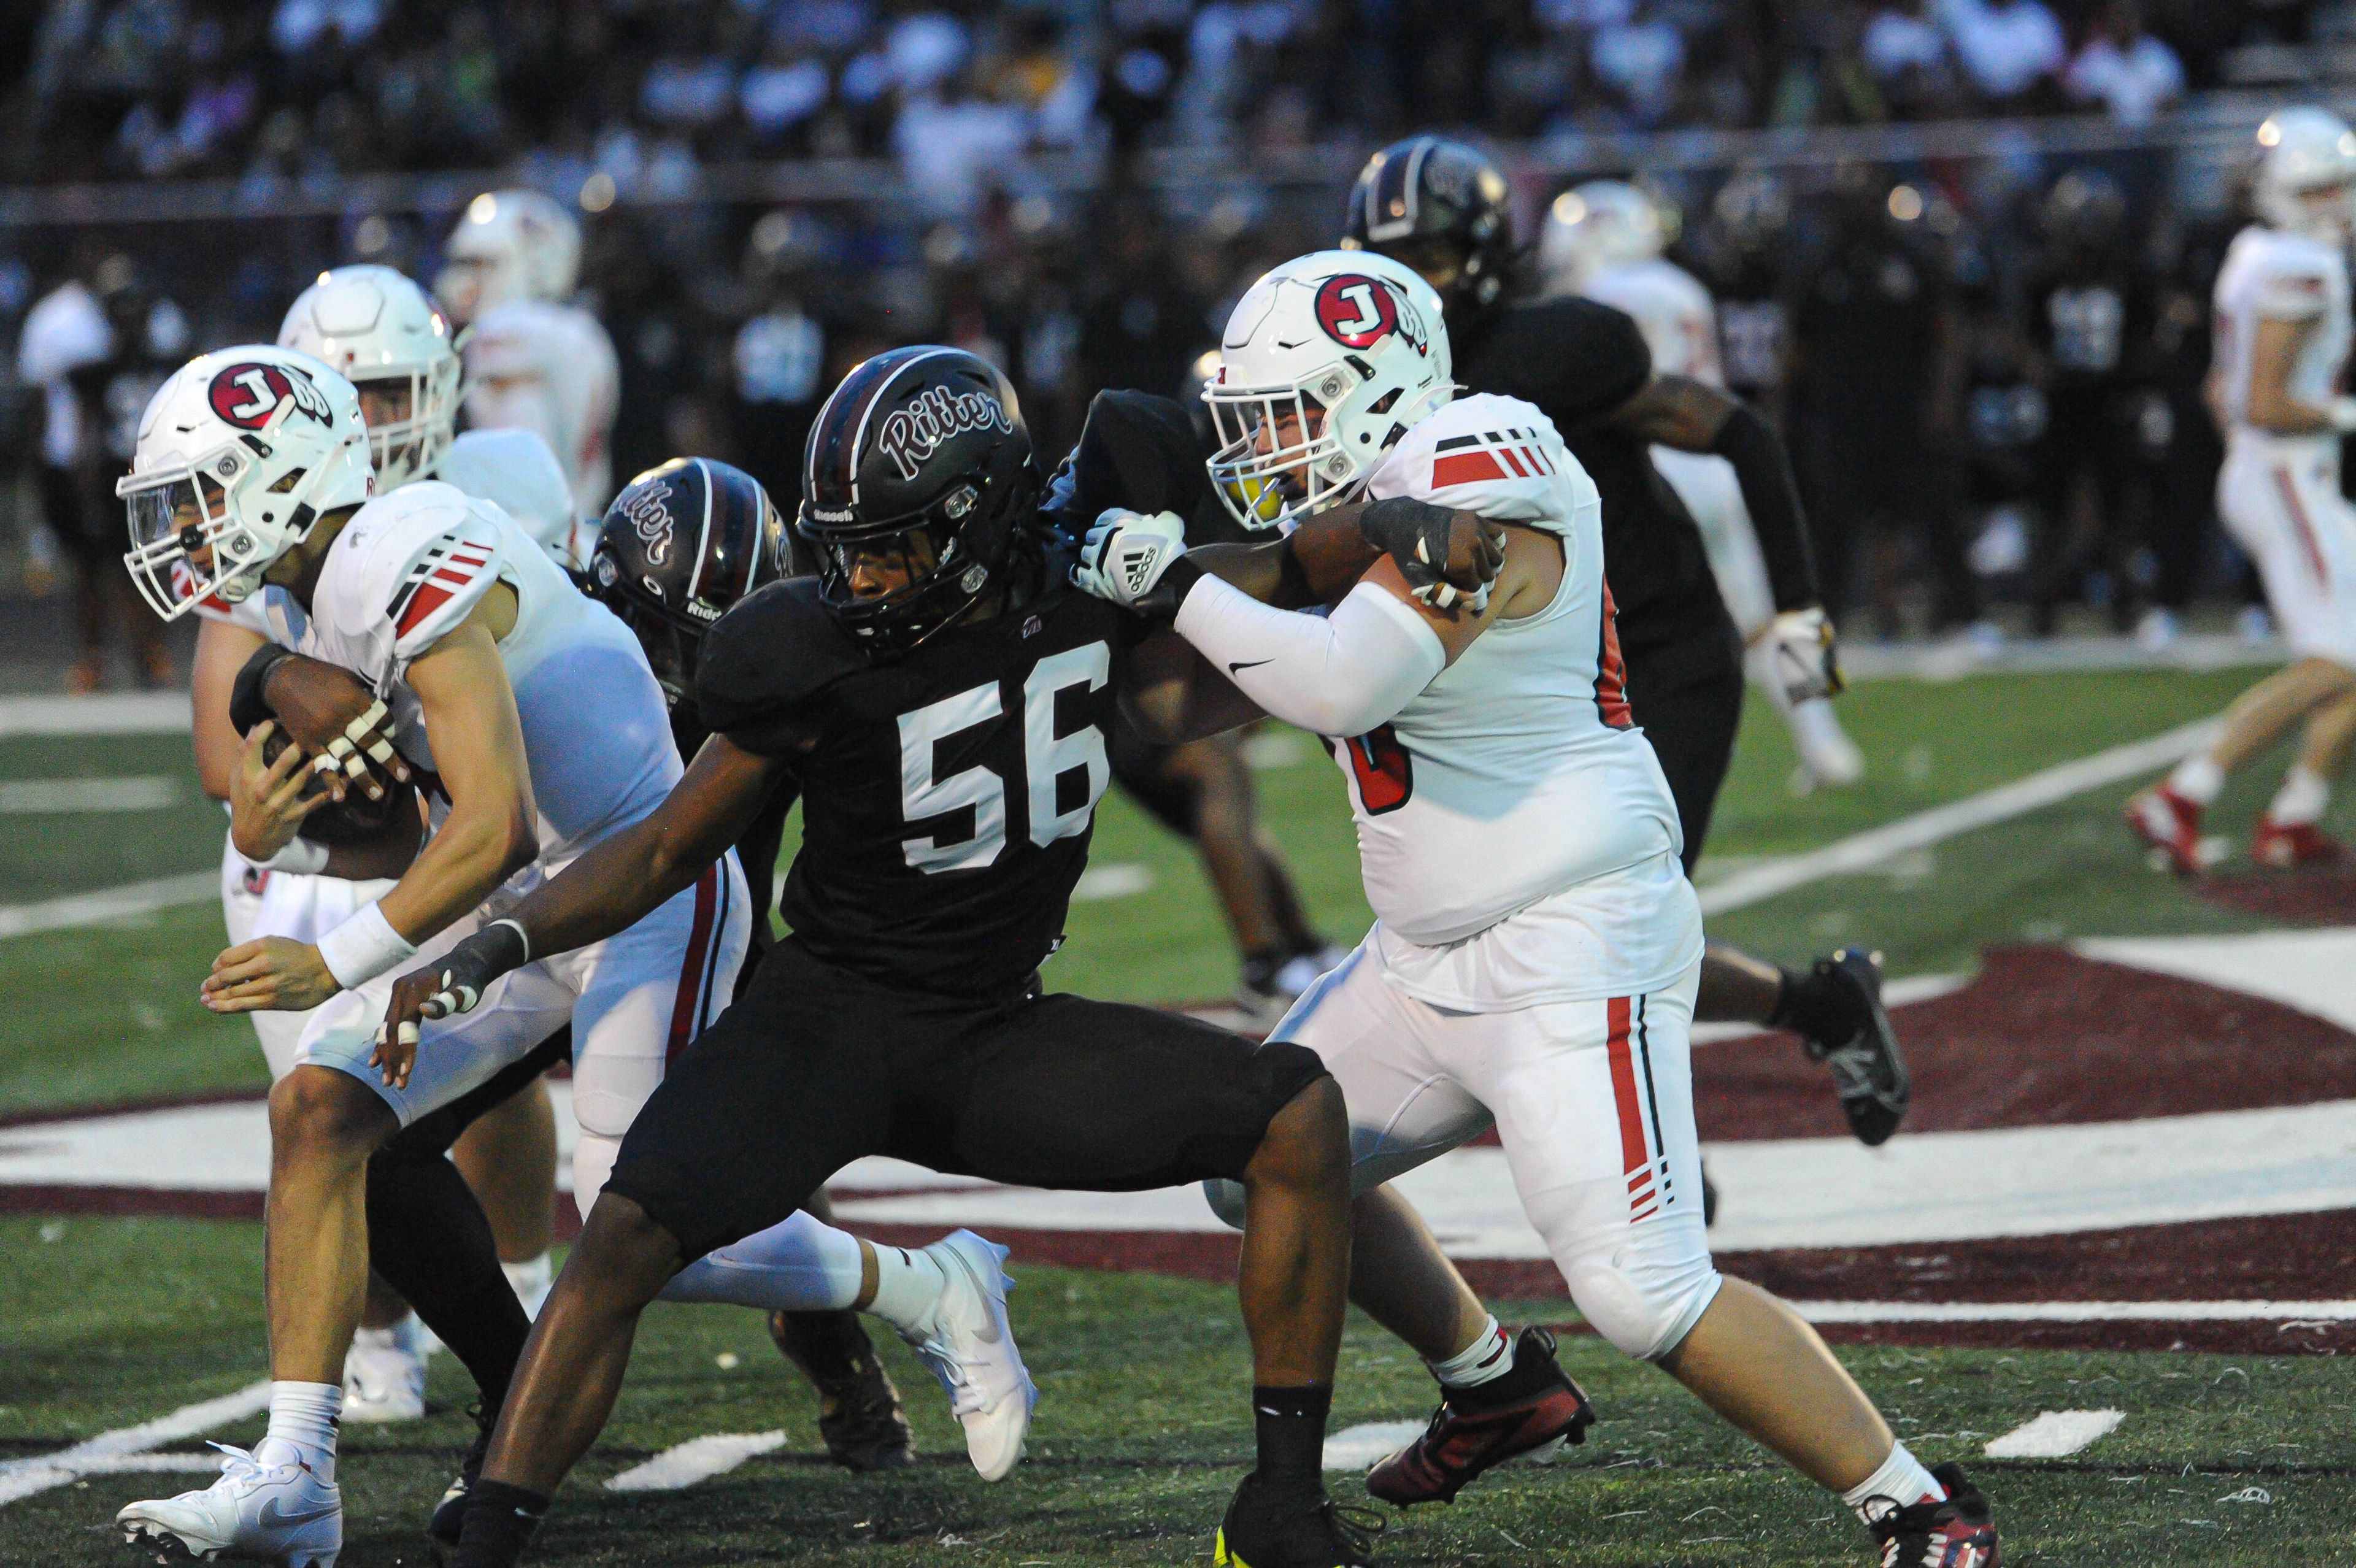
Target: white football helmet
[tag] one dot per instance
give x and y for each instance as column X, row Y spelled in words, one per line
column 1326, row 362
column 512, row 245
column 377, row 326
column 238, row 453
column 1595, row 227
column 2307, row 170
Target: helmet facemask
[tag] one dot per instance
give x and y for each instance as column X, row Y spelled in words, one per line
column 896, row 583
column 412, row 419
column 1279, row 458
column 187, row 543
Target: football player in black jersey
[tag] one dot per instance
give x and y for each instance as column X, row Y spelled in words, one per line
column 942, row 698
column 1439, row 207
column 670, row 597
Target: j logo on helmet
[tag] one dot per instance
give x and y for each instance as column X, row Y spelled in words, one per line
column 1357, row 311
column 248, row 395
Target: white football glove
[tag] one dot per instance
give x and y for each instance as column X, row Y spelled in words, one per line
column 1126, row 554
column 1801, row 655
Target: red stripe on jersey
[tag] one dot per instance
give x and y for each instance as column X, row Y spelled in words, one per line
column 684, row 1010
column 421, row 604
column 1538, row 458
column 1610, row 672
column 454, row 579
column 2289, row 489
column 1633, row 1155
column 1512, row 457
column 1466, row 468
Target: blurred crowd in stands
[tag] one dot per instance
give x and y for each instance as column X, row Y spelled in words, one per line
column 1921, row 330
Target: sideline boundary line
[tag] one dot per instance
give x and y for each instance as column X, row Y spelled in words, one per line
column 1864, row 851
column 108, row 903
column 2076, row 1311
column 111, row 713
column 21, row 1479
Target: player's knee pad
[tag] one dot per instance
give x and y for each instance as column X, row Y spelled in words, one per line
column 1227, row 1201
column 593, row 1162
column 1648, row 1288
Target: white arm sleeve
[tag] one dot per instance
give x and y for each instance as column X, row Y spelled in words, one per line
column 1341, row 674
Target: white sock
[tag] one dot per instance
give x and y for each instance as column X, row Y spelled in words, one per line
column 303, row 1419
column 1901, row 1482
column 2197, row 779
column 796, row 1265
column 529, row 1279
column 907, row 1287
column 2302, row 797
column 1490, row 1356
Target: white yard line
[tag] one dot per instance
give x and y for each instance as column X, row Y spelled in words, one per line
column 2055, row 1435
column 117, row 713
column 49, row 797
column 698, row 1459
column 21, row 1479
column 1357, row 1447
column 108, row 903
column 2077, row 1311
column 1864, row 851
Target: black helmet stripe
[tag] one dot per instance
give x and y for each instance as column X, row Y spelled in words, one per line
column 859, row 437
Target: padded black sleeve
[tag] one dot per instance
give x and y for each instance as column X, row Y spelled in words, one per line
column 247, row 706
column 1136, row 450
column 767, row 662
column 1764, row 470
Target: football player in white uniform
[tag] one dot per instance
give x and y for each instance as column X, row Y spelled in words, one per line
column 1537, row 950
column 534, row 360
column 253, row 469
column 1605, row 239
column 380, row 330
column 2282, row 341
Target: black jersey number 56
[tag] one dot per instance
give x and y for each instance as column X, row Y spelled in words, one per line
column 1046, row 758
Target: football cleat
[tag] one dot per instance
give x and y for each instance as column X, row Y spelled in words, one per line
column 1868, row 1074
column 384, row 1375
column 450, row 1513
column 1536, row 1404
column 1269, row 987
column 1957, row 1531
column 858, row 1409
column 970, row 1346
column 2289, row 846
column 2169, row 824
column 1308, row 1529
column 278, row 1513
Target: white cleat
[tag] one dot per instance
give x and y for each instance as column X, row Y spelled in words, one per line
column 970, row 1346
column 384, row 1375
column 1830, row 757
column 276, row 1513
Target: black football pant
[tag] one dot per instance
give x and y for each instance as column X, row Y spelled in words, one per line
column 816, row 1067
column 1692, row 726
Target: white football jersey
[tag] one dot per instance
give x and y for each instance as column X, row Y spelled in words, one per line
column 410, row 567
column 2273, row 275
column 1518, row 776
column 515, row 471
column 539, row 365
column 1674, row 312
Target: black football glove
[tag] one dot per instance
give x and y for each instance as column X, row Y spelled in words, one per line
column 1415, row 535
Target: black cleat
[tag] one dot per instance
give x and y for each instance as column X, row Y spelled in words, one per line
column 450, row 1513
column 1534, row 1404
column 1307, row 1530
column 1958, row 1531
column 1868, row 1074
column 858, row 1410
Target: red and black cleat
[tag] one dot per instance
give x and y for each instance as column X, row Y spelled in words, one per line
column 2290, row 846
column 2169, row 824
column 1476, row 1429
column 1957, row 1531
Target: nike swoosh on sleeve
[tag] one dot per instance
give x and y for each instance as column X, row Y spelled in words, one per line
column 1247, row 664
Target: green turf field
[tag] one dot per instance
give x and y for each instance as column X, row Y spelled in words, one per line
column 1143, row 1427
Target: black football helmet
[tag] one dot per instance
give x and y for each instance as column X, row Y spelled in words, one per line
column 919, row 463
column 679, row 545
column 1442, row 208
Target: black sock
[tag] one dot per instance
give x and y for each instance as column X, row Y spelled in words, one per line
column 1291, row 1427
column 499, row 1522
column 429, row 1238
column 1816, row 1004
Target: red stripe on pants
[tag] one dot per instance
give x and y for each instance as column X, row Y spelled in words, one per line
column 1632, row 1153
column 684, row 1008
column 2289, row 488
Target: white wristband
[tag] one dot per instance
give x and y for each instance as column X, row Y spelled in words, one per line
column 363, row 947
column 300, row 856
column 2342, row 412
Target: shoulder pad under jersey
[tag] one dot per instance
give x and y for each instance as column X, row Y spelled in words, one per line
column 1578, row 359
column 515, row 471
column 409, row 568
column 767, row 659
column 1496, row 456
